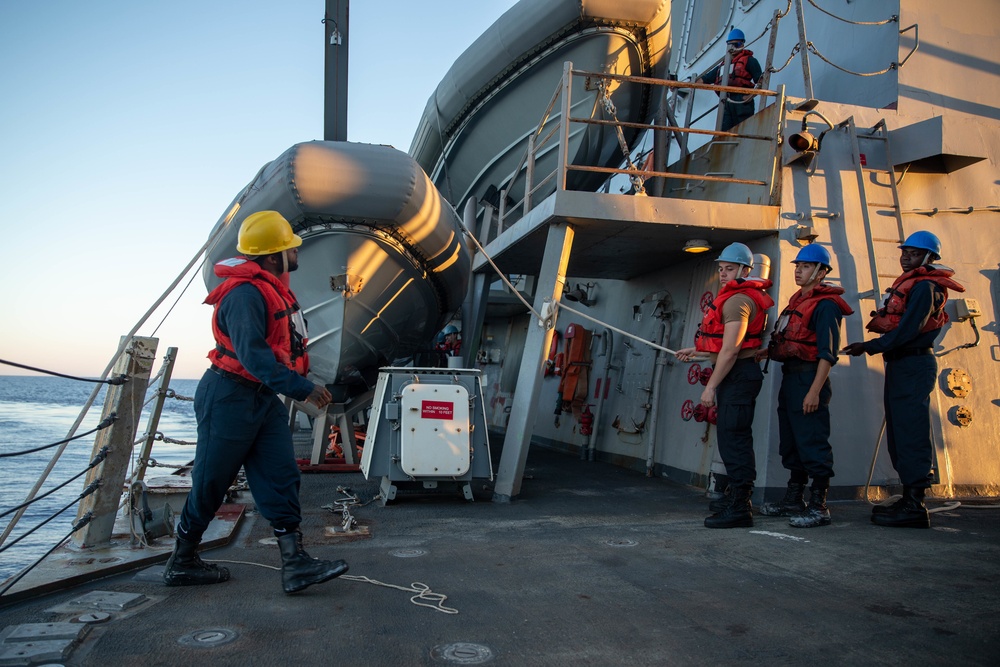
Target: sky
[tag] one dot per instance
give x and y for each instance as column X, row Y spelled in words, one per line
column 127, row 128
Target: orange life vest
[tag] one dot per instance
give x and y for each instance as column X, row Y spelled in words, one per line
column 285, row 333
column 795, row 340
column 887, row 318
column 740, row 75
column 709, row 335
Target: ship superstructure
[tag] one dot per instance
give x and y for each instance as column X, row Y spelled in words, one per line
column 873, row 121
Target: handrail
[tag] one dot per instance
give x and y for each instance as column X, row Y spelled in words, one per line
column 153, row 423
column 533, row 181
column 669, row 128
column 665, row 174
column 916, row 42
column 676, row 84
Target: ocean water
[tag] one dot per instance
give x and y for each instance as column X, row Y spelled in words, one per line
column 37, row 411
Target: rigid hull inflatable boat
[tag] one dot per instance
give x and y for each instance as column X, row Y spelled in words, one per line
column 383, row 263
column 475, row 128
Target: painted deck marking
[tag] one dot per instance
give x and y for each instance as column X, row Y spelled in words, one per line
column 780, row 536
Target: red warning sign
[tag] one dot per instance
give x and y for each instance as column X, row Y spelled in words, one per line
column 437, row 410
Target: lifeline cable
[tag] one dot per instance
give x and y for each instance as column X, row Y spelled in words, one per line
column 86, row 492
column 201, row 255
column 108, row 421
column 121, row 379
column 101, row 455
column 84, row 520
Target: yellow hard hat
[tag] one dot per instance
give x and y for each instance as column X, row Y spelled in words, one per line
column 265, row 233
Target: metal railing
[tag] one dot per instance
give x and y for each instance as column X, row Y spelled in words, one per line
column 548, row 131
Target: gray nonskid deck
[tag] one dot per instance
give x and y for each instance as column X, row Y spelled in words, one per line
column 592, row 565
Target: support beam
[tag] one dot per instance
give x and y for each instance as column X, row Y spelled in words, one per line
column 474, row 308
column 804, row 51
column 335, row 48
column 126, row 401
column 551, row 279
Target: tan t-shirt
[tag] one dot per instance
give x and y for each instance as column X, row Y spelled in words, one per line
column 738, row 308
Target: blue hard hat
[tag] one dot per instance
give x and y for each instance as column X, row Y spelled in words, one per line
column 736, row 35
column 923, row 241
column 737, row 253
column 450, row 329
column 813, row 253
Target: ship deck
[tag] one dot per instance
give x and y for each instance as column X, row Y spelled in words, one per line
column 591, row 565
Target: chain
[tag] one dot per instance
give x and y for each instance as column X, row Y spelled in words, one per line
column 153, row 463
column 609, row 106
column 173, row 394
column 343, row 506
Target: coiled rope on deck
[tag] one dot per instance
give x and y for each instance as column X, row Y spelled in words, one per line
column 422, row 590
column 424, row 597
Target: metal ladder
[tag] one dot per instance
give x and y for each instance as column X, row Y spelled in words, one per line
column 883, row 221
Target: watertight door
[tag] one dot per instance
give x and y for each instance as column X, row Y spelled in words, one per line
column 434, row 438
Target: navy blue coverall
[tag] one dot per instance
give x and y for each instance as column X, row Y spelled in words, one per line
column 736, row 110
column 242, row 426
column 910, row 374
column 736, row 398
column 804, row 439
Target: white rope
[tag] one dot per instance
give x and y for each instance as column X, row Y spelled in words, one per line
column 502, row 276
column 423, row 592
column 812, row 48
column 892, row 19
column 621, row 331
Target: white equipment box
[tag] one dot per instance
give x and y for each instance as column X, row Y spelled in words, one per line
column 427, row 428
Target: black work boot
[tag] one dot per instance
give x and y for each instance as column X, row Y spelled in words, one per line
column 910, row 513
column 790, row 505
column 739, row 513
column 722, row 503
column 185, row 568
column 299, row 569
column 890, row 508
column 816, row 514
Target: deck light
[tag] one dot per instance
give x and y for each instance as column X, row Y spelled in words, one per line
column 697, row 246
column 583, row 294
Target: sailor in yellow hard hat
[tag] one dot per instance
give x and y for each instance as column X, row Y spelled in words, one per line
column 259, row 353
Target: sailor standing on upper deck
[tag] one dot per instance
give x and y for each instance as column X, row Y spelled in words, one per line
column 745, row 72
column 910, row 322
column 259, row 353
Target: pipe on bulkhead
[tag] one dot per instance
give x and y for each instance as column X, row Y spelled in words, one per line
column 609, row 346
column 654, row 398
